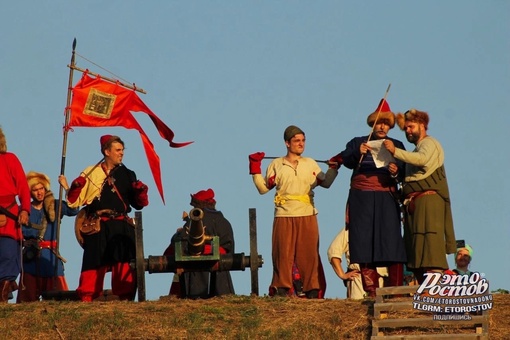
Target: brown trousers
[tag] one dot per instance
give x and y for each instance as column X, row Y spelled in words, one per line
column 296, row 239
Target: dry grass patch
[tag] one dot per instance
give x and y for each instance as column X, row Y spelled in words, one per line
column 236, row 317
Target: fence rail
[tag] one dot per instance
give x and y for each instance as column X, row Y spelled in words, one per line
column 394, row 312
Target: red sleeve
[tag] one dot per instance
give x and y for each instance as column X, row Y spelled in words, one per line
column 19, row 180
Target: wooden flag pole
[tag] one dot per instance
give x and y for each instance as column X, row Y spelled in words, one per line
column 375, row 122
column 378, row 112
column 63, row 160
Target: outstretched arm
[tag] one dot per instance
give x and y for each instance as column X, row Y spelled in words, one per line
column 326, row 179
column 262, row 185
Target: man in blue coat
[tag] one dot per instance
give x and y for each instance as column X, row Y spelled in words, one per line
column 40, row 252
column 373, row 214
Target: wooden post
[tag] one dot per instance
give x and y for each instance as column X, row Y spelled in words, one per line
column 63, row 163
column 254, row 257
column 140, row 261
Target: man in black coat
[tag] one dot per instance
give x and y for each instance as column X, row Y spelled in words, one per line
column 204, row 285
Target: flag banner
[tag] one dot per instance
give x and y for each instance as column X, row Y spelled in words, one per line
column 100, row 103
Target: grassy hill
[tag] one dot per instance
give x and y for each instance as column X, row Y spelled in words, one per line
column 235, row 317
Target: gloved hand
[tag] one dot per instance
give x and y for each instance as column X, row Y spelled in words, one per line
column 256, row 162
column 335, row 162
column 49, row 205
column 75, row 189
column 141, row 196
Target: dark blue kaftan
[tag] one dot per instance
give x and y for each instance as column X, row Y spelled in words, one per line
column 44, row 264
column 375, row 232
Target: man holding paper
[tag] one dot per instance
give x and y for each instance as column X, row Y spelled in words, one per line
column 373, row 211
column 428, row 222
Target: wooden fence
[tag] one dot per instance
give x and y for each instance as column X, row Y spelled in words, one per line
column 395, row 318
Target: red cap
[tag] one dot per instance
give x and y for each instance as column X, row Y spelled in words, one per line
column 104, row 139
column 383, row 106
column 204, row 196
column 383, row 112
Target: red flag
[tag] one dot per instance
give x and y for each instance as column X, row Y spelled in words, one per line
column 99, row 103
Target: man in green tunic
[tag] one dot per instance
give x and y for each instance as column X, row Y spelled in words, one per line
column 428, row 224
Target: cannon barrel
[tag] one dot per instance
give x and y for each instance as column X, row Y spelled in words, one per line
column 196, row 232
column 227, row 262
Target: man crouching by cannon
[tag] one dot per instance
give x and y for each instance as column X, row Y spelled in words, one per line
column 203, row 222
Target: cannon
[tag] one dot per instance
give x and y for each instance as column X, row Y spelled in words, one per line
column 196, row 233
column 190, row 256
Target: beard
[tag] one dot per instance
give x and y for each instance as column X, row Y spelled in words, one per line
column 414, row 136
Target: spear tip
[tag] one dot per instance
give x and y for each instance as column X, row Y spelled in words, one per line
column 74, row 44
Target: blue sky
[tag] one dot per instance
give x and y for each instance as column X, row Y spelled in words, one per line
column 232, row 75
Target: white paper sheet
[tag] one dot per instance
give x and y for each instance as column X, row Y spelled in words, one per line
column 382, row 157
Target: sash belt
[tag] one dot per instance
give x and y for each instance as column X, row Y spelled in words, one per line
column 409, row 201
column 48, row 244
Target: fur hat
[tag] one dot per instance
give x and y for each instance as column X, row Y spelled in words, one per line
column 34, row 178
column 413, row 115
column 3, row 142
column 291, row 131
column 383, row 112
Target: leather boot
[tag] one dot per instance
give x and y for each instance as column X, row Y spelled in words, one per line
column 396, row 277
column 280, row 291
column 370, row 280
column 312, row 294
column 396, row 274
column 5, row 289
column 418, row 274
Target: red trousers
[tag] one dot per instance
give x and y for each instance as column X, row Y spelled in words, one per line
column 296, row 240
column 31, row 287
column 123, row 282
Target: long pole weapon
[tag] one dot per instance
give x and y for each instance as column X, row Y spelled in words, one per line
column 327, row 162
column 63, row 161
column 375, row 122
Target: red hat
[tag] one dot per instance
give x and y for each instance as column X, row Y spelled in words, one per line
column 383, row 112
column 104, row 139
column 204, row 196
